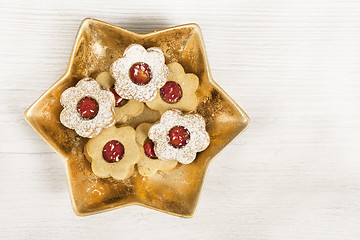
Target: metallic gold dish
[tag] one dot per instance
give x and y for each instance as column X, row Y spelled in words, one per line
column 97, row 45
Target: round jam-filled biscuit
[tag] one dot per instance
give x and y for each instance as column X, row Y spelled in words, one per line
column 139, row 72
column 179, row 92
column 113, row 153
column 126, row 109
column 87, row 108
column 179, row 137
column 149, row 163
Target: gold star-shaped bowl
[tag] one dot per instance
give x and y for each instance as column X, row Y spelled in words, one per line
column 97, row 46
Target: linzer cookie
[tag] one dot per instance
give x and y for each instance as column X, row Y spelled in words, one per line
column 124, row 109
column 179, row 137
column 87, row 108
column 179, row 92
column 149, row 163
column 139, row 73
column 113, row 153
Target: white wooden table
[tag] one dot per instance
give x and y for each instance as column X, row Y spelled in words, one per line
column 294, row 66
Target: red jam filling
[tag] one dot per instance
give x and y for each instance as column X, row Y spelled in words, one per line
column 119, row 101
column 149, row 149
column 179, row 136
column 171, row 92
column 140, row 73
column 88, row 108
column 113, row 151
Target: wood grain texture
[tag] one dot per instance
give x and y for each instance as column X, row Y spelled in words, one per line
column 294, row 66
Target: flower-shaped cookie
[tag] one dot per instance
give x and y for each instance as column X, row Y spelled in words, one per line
column 87, row 108
column 113, row 153
column 124, row 109
column 179, row 137
column 139, row 73
column 149, row 163
column 178, row 92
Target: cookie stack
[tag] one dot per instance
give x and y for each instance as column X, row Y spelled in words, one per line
column 100, row 108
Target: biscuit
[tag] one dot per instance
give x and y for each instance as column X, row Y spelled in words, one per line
column 130, row 109
column 148, row 166
column 188, row 82
column 93, row 151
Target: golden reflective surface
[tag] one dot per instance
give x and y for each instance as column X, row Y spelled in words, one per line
column 97, row 45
